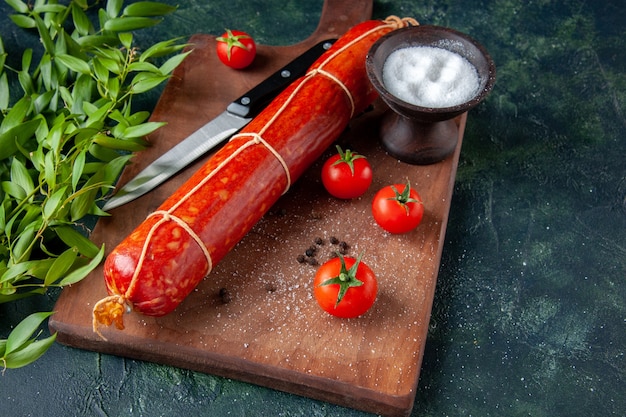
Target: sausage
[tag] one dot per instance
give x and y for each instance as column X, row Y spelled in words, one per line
column 159, row 263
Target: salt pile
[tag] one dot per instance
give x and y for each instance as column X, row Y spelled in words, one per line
column 428, row 76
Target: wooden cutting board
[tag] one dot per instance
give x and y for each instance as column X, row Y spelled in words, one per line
column 254, row 318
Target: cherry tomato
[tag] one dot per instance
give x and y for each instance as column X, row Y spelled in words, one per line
column 398, row 208
column 236, row 49
column 346, row 174
column 345, row 287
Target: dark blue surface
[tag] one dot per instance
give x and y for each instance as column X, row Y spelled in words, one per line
column 529, row 317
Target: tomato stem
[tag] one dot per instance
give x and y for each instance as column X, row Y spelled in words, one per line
column 348, row 157
column 404, row 198
column 232, row 41
column 346, row 278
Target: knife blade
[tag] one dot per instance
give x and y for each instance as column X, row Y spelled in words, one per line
column 237, row 114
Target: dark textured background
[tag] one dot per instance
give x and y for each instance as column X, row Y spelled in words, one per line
column 529, row 318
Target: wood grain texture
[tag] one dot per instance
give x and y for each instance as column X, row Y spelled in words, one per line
column 272, row 332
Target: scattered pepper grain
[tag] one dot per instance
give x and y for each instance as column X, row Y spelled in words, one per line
column 225, row 296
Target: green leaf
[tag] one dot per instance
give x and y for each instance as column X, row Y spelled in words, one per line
column 126, row 24
column 26, row 82
column 80, row 273
column 62, row 264
column 138, row 66
column 171, row 64
column 20, row 335
column 89, row 108
column 21, row 177
column 148, row 8
column 138, row 117
column 55, row 137
column 48, row 74
column 126, row 39
column 82, row 91
column 44, row 35
column 73, row 238
column 42, row 102
column 27, row 58
column 29, row 353
column 22, row 21
column 31, row 218
column 110, row 64
column 114, row 7
column 142, row 130
column 112, row 53
column 91, row 41
column 50, row 173
column 21, row 249
column 81, row 21
column 74, row 64
column 39, row 268
column 81, row 205
column 66, row 95
column 4, row 92
column 3, row 218
column 144, row 81
column 66, row 44
column 20, row 110
column 113, row 169
column 113, row 88
column 53, row 203
column 97, row 118
column 133, row 144
column 77, row 169
column 102, row 153
column 14, row 190
column 160, row 49
column 83, row 201
column 15, row 136
column 18, row 5
column 15, row 271
column 49, row 8
column 100, row 71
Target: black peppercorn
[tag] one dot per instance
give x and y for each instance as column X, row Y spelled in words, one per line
column 225, row 296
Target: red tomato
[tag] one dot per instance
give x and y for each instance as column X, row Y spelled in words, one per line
column 398, row 208
column 236, row 49
column 346, row 174
column 345, row 287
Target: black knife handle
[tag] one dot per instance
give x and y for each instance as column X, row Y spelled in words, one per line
column 252, row 102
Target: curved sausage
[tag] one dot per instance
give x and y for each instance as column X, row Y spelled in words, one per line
column 153, row 269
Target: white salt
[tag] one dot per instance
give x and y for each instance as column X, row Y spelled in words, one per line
column 428, row 76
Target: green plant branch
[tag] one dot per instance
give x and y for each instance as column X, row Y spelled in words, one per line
column 64, row 142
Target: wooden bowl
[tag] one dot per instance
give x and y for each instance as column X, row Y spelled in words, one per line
column 425, row 135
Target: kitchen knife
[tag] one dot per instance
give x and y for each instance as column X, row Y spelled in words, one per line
column 237, row 114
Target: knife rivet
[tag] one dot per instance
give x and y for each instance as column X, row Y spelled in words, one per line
column 245, row 100
column 285, row 74
column 327, row 45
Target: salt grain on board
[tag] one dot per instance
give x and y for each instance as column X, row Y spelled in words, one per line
column 428, row 76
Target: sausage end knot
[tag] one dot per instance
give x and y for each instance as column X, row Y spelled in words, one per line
column 110, row 310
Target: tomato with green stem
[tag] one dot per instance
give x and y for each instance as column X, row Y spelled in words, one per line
column 398, row 208
column 345, row 287
column 346, row 175
column 236, row 49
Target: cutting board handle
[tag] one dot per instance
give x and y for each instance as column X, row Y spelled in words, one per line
column 340, row 15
